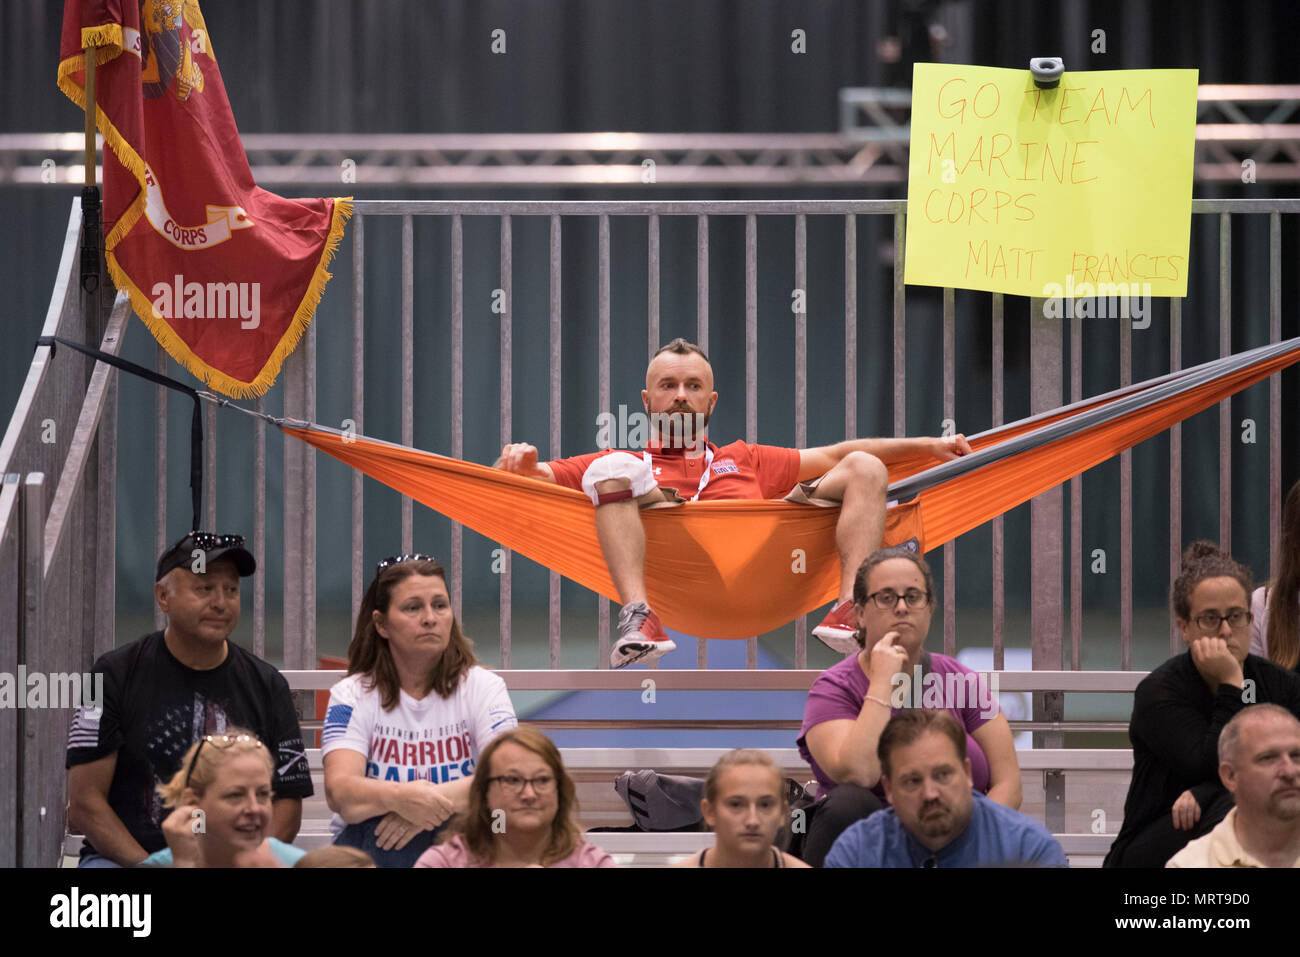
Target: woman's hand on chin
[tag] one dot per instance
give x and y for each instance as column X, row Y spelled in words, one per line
column 182, row 835
column 887, row 658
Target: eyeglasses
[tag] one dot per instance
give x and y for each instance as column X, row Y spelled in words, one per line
column 398, row 559
column 887, row 599
column 221, row 741
column 1210, row 621
column 207, row 541
column 514, row 784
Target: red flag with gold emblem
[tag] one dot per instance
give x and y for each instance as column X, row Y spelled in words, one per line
column 225, row 275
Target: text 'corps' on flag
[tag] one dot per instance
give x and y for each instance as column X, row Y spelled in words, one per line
column 226, row 275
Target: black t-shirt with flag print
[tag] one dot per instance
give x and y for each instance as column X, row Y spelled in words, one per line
column 154, row 708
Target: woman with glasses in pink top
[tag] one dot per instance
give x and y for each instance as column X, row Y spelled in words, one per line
column 522, row 812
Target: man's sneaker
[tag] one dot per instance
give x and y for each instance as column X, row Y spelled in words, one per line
column 640, row 636
column 838, row 630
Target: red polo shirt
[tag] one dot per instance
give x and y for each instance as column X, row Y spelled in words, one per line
column 738, row 470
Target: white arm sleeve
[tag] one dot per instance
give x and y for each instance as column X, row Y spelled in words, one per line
column 618, row 465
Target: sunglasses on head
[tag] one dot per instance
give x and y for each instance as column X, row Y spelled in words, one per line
column 207, row 541
column 398, row 559
column 222, row 741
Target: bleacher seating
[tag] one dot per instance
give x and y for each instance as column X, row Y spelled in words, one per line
column 1096, row 778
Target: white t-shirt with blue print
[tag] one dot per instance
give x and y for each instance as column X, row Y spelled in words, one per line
column 433, row 738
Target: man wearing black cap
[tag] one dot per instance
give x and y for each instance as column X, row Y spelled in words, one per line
column 165, row 691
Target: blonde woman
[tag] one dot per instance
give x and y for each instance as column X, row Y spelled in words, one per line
column 222, row 801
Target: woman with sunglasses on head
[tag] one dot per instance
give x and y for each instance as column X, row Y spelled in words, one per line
column 1179, row 709
column 850, row 703
column 222, row 801
column 1275, row 607
column 404, row 730
column 522, row 811
column 745, row 806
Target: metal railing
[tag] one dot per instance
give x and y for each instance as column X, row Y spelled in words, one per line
column 57, row 533
column 1047, row 385
column 57, row 504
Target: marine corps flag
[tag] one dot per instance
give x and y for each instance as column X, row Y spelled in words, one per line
column 225, row 275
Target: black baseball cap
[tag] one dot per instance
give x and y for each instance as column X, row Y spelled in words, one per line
column 181, row 555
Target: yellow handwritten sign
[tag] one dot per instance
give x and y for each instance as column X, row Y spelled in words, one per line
column 1037, row 192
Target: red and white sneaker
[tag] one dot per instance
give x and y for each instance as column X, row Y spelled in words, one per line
column 839, row 629
column 640, row 636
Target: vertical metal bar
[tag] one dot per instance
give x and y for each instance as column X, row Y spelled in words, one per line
column 652, row 313
column 1274, row 391
column 507, row 411
column 1076, row 506
column 1175, row 465
column 1125, row 512
column 299, row 522
column 1045, row 522
column 100, row 632
column 751, row 366
column 1225, row 407
column 32, row 629
column 457, row 399
column 358, row 408
column 850, row 326
column 292, row 383
column 949, row 412
column 999, row 541
column 652, row 290
column 210, row 465
column 11, row 620
column 160, row 542
column 751, row 328
column 408, row 369
column 900, row 329
column 702, row 288
column 307, row 654
column 556, row 355
column 801, row 391
column 702, row 339
column 259, row 532
column 602, row 403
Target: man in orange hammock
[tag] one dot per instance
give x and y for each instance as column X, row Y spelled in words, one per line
column 680, row 464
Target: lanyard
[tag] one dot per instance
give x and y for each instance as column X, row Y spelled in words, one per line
column 704, row 479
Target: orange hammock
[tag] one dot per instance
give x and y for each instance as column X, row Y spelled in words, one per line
column 732, row 569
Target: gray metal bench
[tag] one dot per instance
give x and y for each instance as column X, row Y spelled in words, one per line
column 1095, row 779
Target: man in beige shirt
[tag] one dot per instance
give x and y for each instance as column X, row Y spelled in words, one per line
column 1259, row 762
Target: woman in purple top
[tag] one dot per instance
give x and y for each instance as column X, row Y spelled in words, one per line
column 849, row 704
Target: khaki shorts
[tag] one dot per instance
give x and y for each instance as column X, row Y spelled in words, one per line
column 804, row 493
